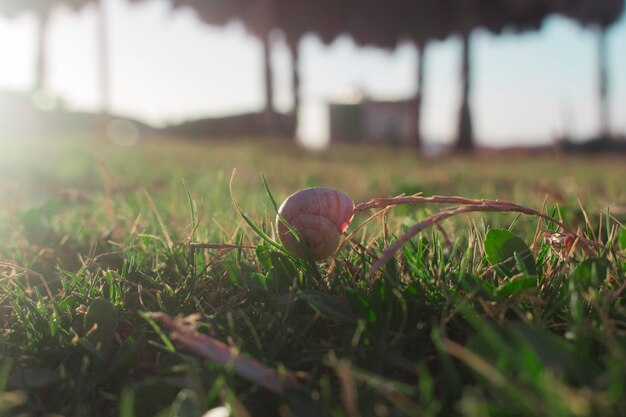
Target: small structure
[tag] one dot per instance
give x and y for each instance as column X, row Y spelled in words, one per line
column 374, row 121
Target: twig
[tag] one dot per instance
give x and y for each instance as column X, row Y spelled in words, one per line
column 217, row 351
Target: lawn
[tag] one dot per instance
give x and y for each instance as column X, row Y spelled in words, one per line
column 126, row 272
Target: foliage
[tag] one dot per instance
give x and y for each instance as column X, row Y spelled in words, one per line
column 480, row 316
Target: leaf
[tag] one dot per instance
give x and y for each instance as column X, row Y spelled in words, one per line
column 591, row 271
column 328, row 306
column 32, row 378
column 527, row 349
column 301, row 403
column 264, row 255
column 472, row 284
column 516, row 285
column 282, row 275
column 152, row 397
column 5, row 369
column 255, row 283
column 501, row 247
column 128, row 355
column 100, row 323
column 622, row 238
column 280, row 272
column 361, row 306
column 127, row 403
column 554, row 351
column 186, row 404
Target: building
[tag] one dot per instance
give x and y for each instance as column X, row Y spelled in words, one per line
column 374, row 121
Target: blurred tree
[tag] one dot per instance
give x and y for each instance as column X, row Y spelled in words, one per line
column 258, row 17
column 104, row 67
column 42, row 10
column 296, row 18
column 104, row 83
column 599, row 14
column 369, row 23
column 463, row 17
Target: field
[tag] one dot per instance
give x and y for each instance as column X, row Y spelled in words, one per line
column 485, row 313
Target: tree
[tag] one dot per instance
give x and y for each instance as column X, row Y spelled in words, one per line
column 385, row 23
column 104, row 83
column 42, row 10
column 258, row 17
column 465, row 16
column 599, row 14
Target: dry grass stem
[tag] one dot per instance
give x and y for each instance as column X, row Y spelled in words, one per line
column 465, row 205
column 217, row 351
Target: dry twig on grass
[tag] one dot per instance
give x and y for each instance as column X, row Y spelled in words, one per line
column 217, row 351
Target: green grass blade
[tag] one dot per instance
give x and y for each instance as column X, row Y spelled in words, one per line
column 192, row 210
column 166, row 340
column 5, row 369
column 250, row 223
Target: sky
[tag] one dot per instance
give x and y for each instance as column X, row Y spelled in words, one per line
column 167, row 67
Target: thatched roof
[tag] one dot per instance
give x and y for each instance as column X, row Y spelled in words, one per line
column 592, row 12
column 385, row 23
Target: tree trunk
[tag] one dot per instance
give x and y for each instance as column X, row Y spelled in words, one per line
column 270, row 113
column 103, row 57
column 465, row 136
column 603, row 81
column 40, row 69
column 417, row 140
column 295, row 86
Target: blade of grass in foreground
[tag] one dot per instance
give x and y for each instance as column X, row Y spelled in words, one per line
column 166, row 341
column 168, row 239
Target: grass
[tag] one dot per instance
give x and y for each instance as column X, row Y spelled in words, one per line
column 470, row 318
